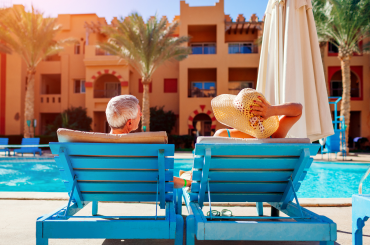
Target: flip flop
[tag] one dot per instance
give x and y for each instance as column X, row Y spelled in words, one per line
column 226, row 212
column 214, row 213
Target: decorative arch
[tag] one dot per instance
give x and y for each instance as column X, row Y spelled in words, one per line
column 103, row 72
column 203, row 109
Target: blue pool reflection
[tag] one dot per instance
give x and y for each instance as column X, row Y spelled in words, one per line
column 323, row 180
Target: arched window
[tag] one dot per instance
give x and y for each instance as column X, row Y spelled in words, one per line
column 336, row 85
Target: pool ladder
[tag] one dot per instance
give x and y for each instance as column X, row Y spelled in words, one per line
column 362, row 180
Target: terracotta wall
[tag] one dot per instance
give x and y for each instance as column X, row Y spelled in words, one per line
column 359, row 105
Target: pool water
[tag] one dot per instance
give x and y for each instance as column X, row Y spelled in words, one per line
column 323, row 180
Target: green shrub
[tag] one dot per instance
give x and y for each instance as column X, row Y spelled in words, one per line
column 182, row 141
column 161, row 120
column 73, row 118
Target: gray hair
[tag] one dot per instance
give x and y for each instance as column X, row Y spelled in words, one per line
column 120, row 109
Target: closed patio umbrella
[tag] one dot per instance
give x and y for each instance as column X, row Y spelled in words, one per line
column 290, row 68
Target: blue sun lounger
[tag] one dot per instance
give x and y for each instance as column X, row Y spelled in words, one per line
column 238, row 171
column 4, row 141
column 113, row 172
column 29, row 141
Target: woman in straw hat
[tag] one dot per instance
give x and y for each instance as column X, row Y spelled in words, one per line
column 251, row 116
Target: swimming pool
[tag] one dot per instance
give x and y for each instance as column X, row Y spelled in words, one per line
column 323, row 180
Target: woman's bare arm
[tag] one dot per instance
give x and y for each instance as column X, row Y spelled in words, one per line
column 290, row 112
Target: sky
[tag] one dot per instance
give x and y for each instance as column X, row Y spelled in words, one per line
column 147, row 8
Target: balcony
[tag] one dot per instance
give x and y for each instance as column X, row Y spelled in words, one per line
column 202, row 82
column 241, row 78
column 99, row 51
column 50, row 103
column 97, row 57
column 202, row 90
column 235, row 86
column 107, row 86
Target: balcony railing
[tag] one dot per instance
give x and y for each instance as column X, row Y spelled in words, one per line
column 203, row 48
column 107, row 93
column 243, row 48
column 50, row 99
column 202, row 93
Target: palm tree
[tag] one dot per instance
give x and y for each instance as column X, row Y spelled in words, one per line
column 32, row 37
column 345, row 23
column 145, row 46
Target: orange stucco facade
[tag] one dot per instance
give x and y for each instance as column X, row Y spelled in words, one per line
column 225, row 59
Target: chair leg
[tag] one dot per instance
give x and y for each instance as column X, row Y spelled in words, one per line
column 275, row 212
column 94, row 208
column 259, row 206
column 357, row 225
column 179, row 230
column 357, row 237
column 190, row 230
column 39, row 239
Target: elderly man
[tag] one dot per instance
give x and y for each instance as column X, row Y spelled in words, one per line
column 123, row 115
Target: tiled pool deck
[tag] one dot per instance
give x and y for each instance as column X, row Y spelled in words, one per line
column 18, row 218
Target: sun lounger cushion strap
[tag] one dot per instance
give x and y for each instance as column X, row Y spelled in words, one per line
column 204, row 180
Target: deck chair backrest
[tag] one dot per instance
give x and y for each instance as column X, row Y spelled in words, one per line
column 249, row 172
column 117, row 172
column 4, row 141
column 30, row 141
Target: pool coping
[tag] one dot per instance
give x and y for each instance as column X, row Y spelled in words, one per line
column 63, row 196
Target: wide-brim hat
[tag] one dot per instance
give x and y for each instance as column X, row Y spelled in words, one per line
column 235, row 111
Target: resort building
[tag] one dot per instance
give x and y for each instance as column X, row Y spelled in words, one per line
column 225, row 58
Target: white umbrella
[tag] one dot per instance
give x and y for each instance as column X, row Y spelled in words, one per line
column 290, row 68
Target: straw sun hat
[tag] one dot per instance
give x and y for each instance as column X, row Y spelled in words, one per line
column 234, row 111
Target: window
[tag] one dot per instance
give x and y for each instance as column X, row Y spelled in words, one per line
column 141, row 87
column 77, row 48
column 203, row 89
column 79, row 86
column 236, row 86
column 242, row 48
column 336, row 88
column 332, row 49
column 170, row 85
column 203, row 48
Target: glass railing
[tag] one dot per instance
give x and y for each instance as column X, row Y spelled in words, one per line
column 243, row 48
column 202, row 93
column 203, row 48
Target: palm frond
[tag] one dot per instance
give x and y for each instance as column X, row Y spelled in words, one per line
column 29, row 34
column 343, row 22
column 145, row 46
